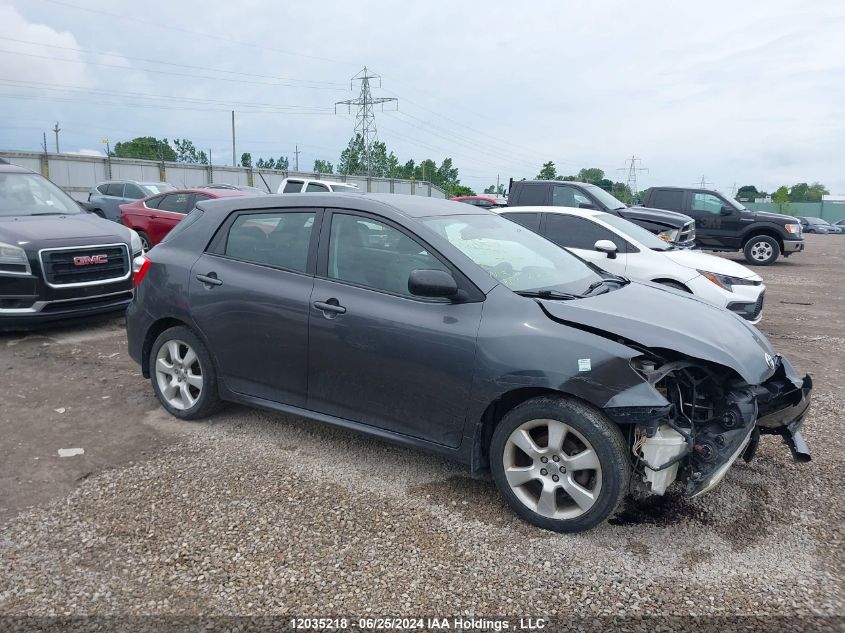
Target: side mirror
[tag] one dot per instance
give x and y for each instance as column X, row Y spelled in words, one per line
column 432, row 284
column 727, row 211
column 607, row 247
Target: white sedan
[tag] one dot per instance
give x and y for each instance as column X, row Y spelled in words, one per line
column 624, row 248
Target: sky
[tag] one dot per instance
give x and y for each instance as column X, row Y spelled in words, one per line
column 736, row 93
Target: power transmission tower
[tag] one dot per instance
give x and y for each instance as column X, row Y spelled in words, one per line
column 632, row 169
column 703, row 183
column 57, row 129
column 365, row 119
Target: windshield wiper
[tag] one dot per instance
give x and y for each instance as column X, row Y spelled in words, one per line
column 547, row 294
column 50, row 213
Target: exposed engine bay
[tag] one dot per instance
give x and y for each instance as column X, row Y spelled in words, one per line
column 713, row 417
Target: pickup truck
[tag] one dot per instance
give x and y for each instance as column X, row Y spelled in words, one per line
column 676, row 228
column 723, row 224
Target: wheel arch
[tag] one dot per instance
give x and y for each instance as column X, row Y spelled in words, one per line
column 159, row 326
column 496, row 410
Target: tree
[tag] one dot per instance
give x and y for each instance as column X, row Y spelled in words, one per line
column 592, row 175
column 145, row 148
column 323, row 167
column 246, row 159
column 818, row 191
column 500, row 190
column 802, row 192
column 186, row 152
column 548, row 171
column 282, row 163
column 459, row 190
column 747, row 192
column 781, row 197
column 351, row 159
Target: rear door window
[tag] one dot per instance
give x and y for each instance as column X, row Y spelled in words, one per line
column 115, row 189
column 293, row 186
column 175, row 202
column 153, row 203
column 280, row 239
column 315, row 186
column 668, row 199
column 133, row 192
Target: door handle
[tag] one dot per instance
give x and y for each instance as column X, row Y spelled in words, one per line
column 331, row 305
column 210, row 279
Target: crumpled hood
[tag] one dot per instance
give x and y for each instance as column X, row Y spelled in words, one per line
column 44, row 229
column 711, row 263
column 658, row 317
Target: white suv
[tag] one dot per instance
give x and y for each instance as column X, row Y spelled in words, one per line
column 308, row 185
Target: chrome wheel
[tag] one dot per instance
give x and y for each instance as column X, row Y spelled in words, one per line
column 145, row 242
column 178, row 374
column 552, row 469
column 761, row 251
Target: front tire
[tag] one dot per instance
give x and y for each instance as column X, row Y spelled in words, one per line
column 559, row 464
column 761, row 250
column 183, row 374
column 145, row 241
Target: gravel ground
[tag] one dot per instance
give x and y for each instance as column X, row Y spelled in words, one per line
column 255, row 513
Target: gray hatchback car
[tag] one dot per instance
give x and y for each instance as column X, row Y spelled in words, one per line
column 448, row 328
column 105, row 198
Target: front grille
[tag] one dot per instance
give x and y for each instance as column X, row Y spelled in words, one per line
column 687, row 232
column 61, row 270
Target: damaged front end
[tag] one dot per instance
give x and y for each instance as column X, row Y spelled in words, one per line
column 712, row 418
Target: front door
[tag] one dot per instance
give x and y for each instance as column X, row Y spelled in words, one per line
column 379, row 355
column 718, row 220
column 250, row 295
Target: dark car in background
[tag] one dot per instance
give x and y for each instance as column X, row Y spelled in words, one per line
column 154, row 217
column 57, row 261
column 676, row 228
column 105, row 198
column 448, row 328
column 485, row 202
column 811, row 224
column 724, row 224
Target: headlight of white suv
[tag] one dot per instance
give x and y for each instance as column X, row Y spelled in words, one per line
column 135, row 243
column 13, row 259
column 670, row 235
column 726, row 282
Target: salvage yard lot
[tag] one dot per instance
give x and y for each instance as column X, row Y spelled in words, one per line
column 255, row 512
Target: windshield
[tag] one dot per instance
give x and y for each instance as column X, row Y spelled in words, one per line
column 815, row 221
column 152, row 188
column 518, row 258
column 635, row 232
column 607, row 199
column 31, row 194
column 735, row 203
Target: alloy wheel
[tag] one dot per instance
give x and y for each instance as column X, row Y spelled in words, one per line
column 552, row 469
column 761, row 251
column 178, row 374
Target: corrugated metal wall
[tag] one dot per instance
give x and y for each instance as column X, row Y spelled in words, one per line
column 77, row 174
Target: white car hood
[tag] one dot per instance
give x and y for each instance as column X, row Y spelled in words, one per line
column 711, row 263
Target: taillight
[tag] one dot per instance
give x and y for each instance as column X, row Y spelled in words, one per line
column 140, row 266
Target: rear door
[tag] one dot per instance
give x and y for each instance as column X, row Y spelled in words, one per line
column 250, row 296
column 379, row 355
column 112, row 200
column 580, row 235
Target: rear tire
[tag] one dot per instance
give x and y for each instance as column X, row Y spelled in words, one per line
column 145, row 241
column 183, row 374
column 559, row 464
column 761, row 250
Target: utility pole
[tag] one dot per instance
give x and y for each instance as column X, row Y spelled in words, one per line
column 632, row 169
column 234, row 160
column 296, row 158
column 57, row 129
column 44, row 143
column 365, row 120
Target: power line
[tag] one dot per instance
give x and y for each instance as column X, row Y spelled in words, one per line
column 216, row 37
column 365, row 119
column 632, row 169
column 240, row 73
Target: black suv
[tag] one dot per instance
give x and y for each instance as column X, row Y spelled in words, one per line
column 676, row 228
column 725, row 224
column 57, row 260
column 443, row 326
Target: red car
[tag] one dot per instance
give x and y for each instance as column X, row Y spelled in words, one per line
column 153, row 217
column 486, row 202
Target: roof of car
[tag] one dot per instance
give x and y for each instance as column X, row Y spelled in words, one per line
column 584, row 213
column 216, row 193
column 409, row 205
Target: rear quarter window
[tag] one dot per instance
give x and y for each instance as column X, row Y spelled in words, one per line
column 192, row 217
column 667, row 199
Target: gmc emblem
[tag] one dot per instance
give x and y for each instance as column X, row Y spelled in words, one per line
column 87, row 260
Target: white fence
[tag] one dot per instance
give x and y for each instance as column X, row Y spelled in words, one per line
column 77, row 174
